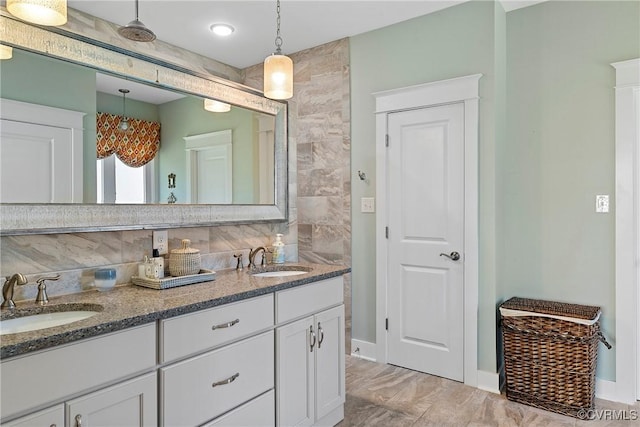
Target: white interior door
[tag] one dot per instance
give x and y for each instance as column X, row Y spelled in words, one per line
column 426, row 230
column 47, row 153
column 213, row 176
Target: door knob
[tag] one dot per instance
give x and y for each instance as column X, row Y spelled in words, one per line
column 453, row 256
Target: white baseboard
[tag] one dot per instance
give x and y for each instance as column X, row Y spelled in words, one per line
column 363, row 349
column 489, row 381
column 606, row 390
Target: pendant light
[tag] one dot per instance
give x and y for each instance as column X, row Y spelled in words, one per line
column 136, row 30
column 278, row 69
column 124, row 125
column 6, row 52
column 41, row 12
column 216, row 106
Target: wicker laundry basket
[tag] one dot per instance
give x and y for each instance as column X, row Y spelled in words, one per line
column 550, row 354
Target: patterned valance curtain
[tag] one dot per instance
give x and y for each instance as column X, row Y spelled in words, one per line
column 134, row 148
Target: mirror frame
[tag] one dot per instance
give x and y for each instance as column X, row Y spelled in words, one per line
column 68, row 218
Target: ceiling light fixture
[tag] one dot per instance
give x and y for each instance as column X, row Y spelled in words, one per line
column 124, row 125
column 216, row 106
column 222, row 30
column 136, row 30
column 41, row 12
column 278, row 69
column 6, row 52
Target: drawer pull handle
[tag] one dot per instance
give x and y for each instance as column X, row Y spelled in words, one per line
column 78, row 420
column 312, row 338
column 225, row 325
column 320, row 335
column 229, row 380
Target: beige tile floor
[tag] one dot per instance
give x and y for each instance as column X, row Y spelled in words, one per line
column 389, row 396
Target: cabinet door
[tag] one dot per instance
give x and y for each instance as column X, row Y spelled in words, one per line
column 132, row 403
column 50, row 417
column 330, row 375
column 295, row 376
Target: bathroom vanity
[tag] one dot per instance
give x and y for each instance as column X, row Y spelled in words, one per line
column 240, row 350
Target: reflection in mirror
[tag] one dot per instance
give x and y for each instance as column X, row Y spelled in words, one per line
column 219, row 158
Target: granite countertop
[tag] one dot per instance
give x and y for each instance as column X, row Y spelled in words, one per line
column 129, row 305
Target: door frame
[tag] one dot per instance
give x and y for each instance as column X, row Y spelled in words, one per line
column 627, row 237
column 457, row 90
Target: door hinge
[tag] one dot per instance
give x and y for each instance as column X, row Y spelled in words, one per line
column 386, row 232
column 386, row 324
column 386, row 140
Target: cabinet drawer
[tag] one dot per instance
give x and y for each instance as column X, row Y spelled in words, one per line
column 260, row 412
column 304, row 300
column 202, row 388
column 191, row 333
column 51, row 375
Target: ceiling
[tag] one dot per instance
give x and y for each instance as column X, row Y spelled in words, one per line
column 304, row 23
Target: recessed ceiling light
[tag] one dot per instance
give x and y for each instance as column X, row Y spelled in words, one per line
column 222, row 30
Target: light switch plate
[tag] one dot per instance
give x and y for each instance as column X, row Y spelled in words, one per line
column 160, row 241
column 602, row 203
column 367, row 204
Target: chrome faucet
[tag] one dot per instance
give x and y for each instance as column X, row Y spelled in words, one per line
column 254, row 252
column 42, row 297
column 7, row 289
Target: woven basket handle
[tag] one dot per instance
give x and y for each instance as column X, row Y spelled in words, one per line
column 604, row 340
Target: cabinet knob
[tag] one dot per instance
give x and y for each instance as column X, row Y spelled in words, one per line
column 312, row 338
column 78, row 420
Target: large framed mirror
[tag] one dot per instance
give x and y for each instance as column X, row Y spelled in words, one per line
column 210, row 168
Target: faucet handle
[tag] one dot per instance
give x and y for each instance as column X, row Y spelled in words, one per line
column 240, row 264
column 42, row 297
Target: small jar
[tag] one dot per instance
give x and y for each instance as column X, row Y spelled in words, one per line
column 105, row 279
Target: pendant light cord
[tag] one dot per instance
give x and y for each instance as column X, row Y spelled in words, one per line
column 278, row 40
column 136, row 10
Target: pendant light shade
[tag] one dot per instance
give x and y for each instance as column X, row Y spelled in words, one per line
column 6, row 52
column 216, row 106
column 278, row 77
column 278, row 69
column 136, row 30
column 41, row 12
column 124, row 125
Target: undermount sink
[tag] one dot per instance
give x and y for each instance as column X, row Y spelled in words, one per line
column 46, row 317
column 281, row 271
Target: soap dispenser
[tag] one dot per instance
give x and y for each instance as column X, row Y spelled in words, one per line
column 278, row 250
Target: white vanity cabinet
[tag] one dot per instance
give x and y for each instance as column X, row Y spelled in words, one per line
column 50, row 417
column 132, row 403
column 310, row 376
column 229, row 363
column 64, row 373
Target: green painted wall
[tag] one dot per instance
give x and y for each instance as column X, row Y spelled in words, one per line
column 36, row 79
column 187, row 117
column 454, row 42
column 546, row 146
column 560, row 153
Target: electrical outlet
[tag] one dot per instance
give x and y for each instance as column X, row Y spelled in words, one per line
column 160, row 241
column 602, row 203
column 367, row 204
